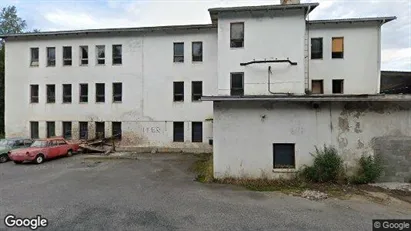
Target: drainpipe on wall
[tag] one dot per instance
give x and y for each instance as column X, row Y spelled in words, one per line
column 269, row 84
column 307, row 84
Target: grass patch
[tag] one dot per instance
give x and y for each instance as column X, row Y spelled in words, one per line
column 203, row 168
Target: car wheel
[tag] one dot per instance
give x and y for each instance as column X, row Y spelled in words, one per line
column 18, row 162
column 39, row 159
column 69, row 153
column 4, row 158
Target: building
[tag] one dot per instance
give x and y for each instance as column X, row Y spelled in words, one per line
column 280, row 84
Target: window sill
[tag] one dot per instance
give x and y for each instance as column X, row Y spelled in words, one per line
column 50, row 66
column 66, row 103
column 100, row 102
column 34, row 66
column 83, row 65
column 317, row 59
column 117, row 64
column 284, row 170
column 196, row 101
column 178, row 101
column 51, row 103
column 83, row 102
column 117, row 102
column 197, row 62
column 236, row 48
column 100, row 65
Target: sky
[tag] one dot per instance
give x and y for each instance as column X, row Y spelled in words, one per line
column 51, row 15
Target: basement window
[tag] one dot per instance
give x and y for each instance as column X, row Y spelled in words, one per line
column 67, row 130
column 66, row 93
column 196, row 90
column 197, row 51
column 116, row 130
column 338, row 86
column 197, row 132
column 117, row 92
column 51, row 93
column 67, row 56
column 316, row 48
column 51, row 56
column 178, row 131
column 34, row 129
column 283, row 156
column 34, row 57
column 83, row 93
column 34, row 93
column 237, row 34
column 178, row 88
column 84, row 55
column 117, row 54
column 100, row 130
column 237, row 84
column 178, row 52
column 51, row 129
column 101, row 54
column 83, row 130
column 317, row 86
column 100, row 93
column 338, row 48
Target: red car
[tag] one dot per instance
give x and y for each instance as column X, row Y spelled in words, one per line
column 41, row 150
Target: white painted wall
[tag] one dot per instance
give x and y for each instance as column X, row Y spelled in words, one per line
column 360, row 67
column 243, row 139
column 276, row 36
column 147, row 74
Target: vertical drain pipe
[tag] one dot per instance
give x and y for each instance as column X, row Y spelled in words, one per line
column 307, row 87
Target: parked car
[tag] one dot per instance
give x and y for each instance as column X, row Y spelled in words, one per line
column 44, row 149
column 6, row 145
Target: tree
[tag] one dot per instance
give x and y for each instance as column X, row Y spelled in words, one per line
column 10, row 23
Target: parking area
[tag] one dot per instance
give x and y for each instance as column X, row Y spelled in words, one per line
column 157, row 192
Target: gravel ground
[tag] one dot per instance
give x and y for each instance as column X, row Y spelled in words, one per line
column 158, row 193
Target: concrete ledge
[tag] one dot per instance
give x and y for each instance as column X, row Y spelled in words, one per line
column 195, row 150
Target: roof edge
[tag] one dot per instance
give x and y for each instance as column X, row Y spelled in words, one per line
column 382, row 20
column 264, row 7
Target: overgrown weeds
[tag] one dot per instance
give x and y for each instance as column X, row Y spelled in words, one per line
column 369, row 170
column 204, row 169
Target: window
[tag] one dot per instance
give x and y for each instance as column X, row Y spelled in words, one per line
column 62, row 142
column 101, row 54
column 316, row 48
column 197, row 132
column 196, row 90
column 117, row 92
column 317, row 87
column 67, row 58
column 66, row 93
column 83, row 130
column 34, row 130
column 51, row 56
column 197, row 51
column 284, row 155
column 83, row 55
column 83, row 93
column 338, row 48
column 34, row 93
column 100, row 93
column 178, row 91
column 51, row 93
column 178, row 52
column 338, row 86
column 34, row 57
column 67, row 130
column 100, row 130
column 116, row 129
column 117, row 53
column 51, row 129
column 237, row 84
column 178, row 131
column 237, row 34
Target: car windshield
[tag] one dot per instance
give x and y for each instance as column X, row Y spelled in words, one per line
column 39, row 144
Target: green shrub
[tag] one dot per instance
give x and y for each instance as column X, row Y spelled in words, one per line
column 203, row 168
column 369, row 170
column 327, row 166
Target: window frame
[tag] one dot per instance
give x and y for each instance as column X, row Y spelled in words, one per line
column 196, row 97
column 322, row 85
column 334, row 54
column 236, row 89
column 34, row 98
column 175, row 57
column 113, row 128
column 34, row 63
column 84, row 61
column 48, row 134
column 293, row 156
column 175, row 137
column 193, row 56
column 83, row 137
column 175, row 94
column 103, row 95
column 67, row 98
column 118, row 95
column 234, row 41
column 70, row 131
column 103, row 133
column 51, row 62
column 117, row 57
column 70, row 59
column 51, row 96
column 320, row 52
column 36, row 125
column 341, row 86
column 195, row 139
column 98, row 59
column 82, row 97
